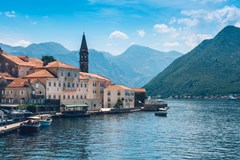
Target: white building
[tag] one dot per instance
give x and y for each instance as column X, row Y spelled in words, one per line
column 118, row 93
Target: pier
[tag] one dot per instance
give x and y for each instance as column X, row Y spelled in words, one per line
column 9, row 128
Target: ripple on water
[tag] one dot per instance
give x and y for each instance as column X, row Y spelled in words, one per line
column 192, row 130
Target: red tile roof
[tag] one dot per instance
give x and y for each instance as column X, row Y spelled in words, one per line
column 32, row 62
column 86, row 75
column 41, row 74
column 58, row 64
column 17, row 83
column 140, row 90
column 117, row 87
column 6, row 76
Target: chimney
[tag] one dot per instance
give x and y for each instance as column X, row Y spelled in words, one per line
column 23, row 58
column 45, row 63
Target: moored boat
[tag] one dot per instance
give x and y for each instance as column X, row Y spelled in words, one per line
column 162, row 112
column 30, row 126
column 45, row 120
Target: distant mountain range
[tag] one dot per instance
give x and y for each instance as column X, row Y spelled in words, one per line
column 212, row 68
column 133, row 68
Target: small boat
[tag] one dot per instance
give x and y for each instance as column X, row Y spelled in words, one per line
column 154, row 104
column 30, row 126
column 162, row 112
column 45, row 120
column 231, row 98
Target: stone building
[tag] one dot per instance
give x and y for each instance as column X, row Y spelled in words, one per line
column 17, row 66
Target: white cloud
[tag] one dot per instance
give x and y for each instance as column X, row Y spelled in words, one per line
column 163, row 28
column 194, row 39
column 224, row 16
column 118, row 34
column 171, row 44
column 188, row 22
column 237, row 24
column 11, row 42
column 10, row 14
column 141, row 33
column 23, row 43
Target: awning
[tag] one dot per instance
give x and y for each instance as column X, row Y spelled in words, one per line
column 76, row 105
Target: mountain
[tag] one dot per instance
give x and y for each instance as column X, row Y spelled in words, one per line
column 141, row 63
column 121, row 69
column 212, row 68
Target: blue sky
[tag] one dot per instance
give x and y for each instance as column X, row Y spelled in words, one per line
column 113, row 26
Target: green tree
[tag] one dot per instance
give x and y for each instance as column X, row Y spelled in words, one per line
column 48, row 59
column 118, row 104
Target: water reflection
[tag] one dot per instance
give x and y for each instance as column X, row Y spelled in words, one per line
column 192, row 130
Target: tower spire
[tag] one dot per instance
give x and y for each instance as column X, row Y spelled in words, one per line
column 83, row 62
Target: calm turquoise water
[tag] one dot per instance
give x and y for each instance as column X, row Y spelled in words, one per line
column 192, row 130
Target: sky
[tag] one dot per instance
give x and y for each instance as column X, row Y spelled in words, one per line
column 113, row 26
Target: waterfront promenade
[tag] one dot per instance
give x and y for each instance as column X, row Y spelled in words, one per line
column 9, row 128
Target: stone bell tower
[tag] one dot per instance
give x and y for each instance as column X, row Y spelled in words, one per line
column 83, row 55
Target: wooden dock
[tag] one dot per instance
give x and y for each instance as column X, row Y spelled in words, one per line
column 9, row 128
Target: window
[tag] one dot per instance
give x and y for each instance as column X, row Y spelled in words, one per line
column 10, row 92
column 85, row 85
column 54, row 84
column 61, row 73
column 81, row 85
column 49, row 96
column 59, row 84
column 37, row 85
column 69, row 74
column 49, row 84
column 22, row 92
column 68, row 96
column 3, row 92
column 73, row 85
column 77, row 96
column 63, row 96
column 72, row 96
column 109, row 93
column 85, row 97
column 119, row 93
column 40, row 92
column 109, row 99
column 54, row 96
column 64, row 85
column 81, row 97
column 68, row 84
column 77, row 85
column 59, row 96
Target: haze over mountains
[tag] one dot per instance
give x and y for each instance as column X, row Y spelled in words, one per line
column 212, row 68
column 133, row 68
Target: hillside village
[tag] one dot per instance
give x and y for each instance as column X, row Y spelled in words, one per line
column 25, row 80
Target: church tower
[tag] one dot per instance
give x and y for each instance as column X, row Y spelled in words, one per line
column 83, row 55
